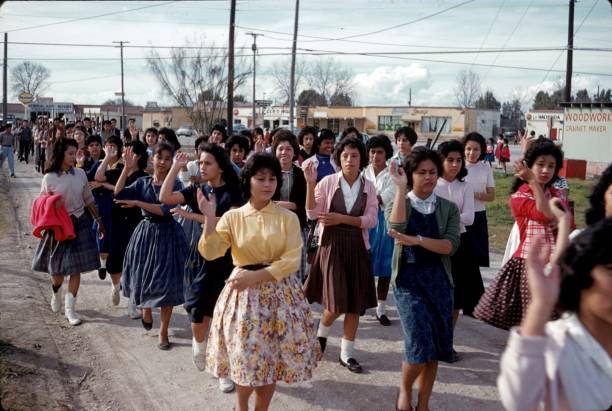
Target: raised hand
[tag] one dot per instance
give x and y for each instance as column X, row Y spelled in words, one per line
column 397, row 174
column 208, row 207
column 180, row 160
column 522, row 171
column 543, row 277
column 558, row 209
column 80, row 157
column 310, row 173
column 110, row 150
column 130, row 158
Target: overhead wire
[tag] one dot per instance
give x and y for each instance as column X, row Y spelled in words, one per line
column 486, row 37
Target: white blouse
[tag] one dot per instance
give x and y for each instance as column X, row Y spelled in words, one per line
column 383, row 183
column 480, row 177
column 460, row 193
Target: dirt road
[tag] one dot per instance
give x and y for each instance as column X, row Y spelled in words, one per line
column 111, row 363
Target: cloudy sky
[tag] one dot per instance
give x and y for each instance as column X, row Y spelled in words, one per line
column 391, row 28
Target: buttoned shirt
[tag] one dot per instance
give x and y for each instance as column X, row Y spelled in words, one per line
column 270, row 235
column 426, row 206
column 460, row 193
column 383, row 182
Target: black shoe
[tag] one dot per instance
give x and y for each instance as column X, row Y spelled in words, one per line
column 13, row 175
column 102, row 273
column 384, row 320
column 322, row 343
column 164, row 346
column 147, row 326
column 352, row 365
column 454, row 357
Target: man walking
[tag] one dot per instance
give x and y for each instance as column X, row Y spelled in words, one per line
column 25, row 141
column 7, row 147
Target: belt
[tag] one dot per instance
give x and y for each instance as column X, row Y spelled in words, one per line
column 158, row 219
column 255, row 267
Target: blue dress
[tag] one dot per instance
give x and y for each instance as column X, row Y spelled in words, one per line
column 381, row 247
column 155, row 256
column 424, row 297
column 104, row 203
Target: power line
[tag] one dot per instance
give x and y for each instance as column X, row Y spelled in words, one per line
column 83, row 79
column 486, row 37
column 92, row 17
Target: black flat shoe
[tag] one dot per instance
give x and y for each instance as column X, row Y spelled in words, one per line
column 383, row 320
column 397, row 400
column 102, row 273
column 454, row 357
column 352, row 365
column 164, row 346
column 147, row 326
column 322, row 343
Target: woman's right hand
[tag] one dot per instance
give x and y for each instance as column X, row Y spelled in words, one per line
column 398, row 175
column 180, row 160
column 111, row 151
column 559, row 210
column 310, row 173
column 130, row 158
column 542, row 276
column 207, row 206
column 522, row 171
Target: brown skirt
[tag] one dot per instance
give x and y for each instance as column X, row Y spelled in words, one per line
column 341, row 278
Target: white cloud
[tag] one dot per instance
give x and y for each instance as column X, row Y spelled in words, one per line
column 391, row 85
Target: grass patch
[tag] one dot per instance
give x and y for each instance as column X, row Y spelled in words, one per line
column 500, row 217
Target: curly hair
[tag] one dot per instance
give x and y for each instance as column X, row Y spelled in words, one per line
column 288, row 136
column 353, row 143
column 416, row 157
column 324, row 134
column 407, row 132
column 454, row 146
column 541, row 147
column 380, row 141
column 597, row 209
column 253, row 165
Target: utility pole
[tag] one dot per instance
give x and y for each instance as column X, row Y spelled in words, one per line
column 122, row 120
column 254, row 48
column 292, row 81
column 570, row 53
column 230, row 70
column 4, row 81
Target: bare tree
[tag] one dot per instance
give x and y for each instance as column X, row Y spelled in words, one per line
column 30, row 77
column 328, row 77
column 196, row 79
column 468, row 88
column 281, row 75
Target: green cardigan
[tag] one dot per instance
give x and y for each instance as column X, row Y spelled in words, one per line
column 447, row 216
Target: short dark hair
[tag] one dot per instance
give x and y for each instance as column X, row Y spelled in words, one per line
column 220, row 128
column 541, row 147
column 69, row 125
column 305, row 131
column 408, row 132
column 93, row 139
column 454, row 146
column 113, row 119
column 81, row 128
column 242, row 142
column 258, row 130
column 416, row 157
column 229, row 176
column 85, row 119
column 587, row 250
column 54, row 164
column 140, row 149
column 288, row 136
column 597, row 198
column 353, row 143
column 474, row 136
column 253, row 165
column 170, row 136
column 324, row 134
column 380, row 141
column 349, row 130
column 198, row 141
column 105, row 122
column 152, row 130
column 116, row 141
column 160, row 147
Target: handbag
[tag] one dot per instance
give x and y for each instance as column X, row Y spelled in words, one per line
column 312, row 241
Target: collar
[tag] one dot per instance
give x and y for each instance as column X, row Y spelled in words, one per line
column 248, row 209
column 69, row 171
column 414, row 199
column 359, row 177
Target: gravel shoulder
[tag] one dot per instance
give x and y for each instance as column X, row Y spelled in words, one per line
column 111, row 363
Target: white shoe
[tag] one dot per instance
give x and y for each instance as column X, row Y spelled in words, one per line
column 226, row 385
column 71, row 315
column 115, row 297
column 134, row 312
column 56, row 301
column 199, row 355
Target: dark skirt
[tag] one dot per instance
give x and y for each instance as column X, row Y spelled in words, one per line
column 68, row 257
column 123, row 228
column 466, row 277
column 478, row 233
column 424, row 304
column 381, row 247
column 104, row 203
column 505, row 300
column 154, row 264
column 203, row 282
column 341, row 277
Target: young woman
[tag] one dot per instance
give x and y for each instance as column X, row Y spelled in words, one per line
column 168, row 136
column 341, row 278
column 490, row 156
column 123, row 220
column 68, row 257
column 480, row 177
column 405, row 139
column 505, row 155
column 238, row 148
column 565, row 364
column 151, row 137
column 86, row 159
column 322, row 160
column 79, row 136
column 262, row 329
column 466, row 274
column 155, row 257
column 505, row 300
column 381, row 245
column 306, row 139
column 292, row 194
column 204, row 279
column 426, row 232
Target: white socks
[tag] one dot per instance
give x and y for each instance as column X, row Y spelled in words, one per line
column 346, row 349
column 103, row 263
column 323, row 331
column 199, row 347
column 381, row 308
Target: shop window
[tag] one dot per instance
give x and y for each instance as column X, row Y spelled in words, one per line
column 350, row 122
column 333, row 124
column 389, row 123
column 434, row 124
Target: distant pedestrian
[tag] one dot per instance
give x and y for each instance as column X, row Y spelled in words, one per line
column 24, row 135
column 490, row 156
column 306, row 138
column 498, row 150
column 505, row 155
column 7, row 148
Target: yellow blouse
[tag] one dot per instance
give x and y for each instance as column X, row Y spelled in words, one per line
column 270, row 235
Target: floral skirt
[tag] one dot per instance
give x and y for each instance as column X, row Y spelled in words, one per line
column 263, row 334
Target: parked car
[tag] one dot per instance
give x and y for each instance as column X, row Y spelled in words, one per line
column 364, row 137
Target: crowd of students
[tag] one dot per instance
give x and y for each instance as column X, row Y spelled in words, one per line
column 250, row 233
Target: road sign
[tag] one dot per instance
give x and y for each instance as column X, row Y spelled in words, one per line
column 263, row 103
column 25, row 98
